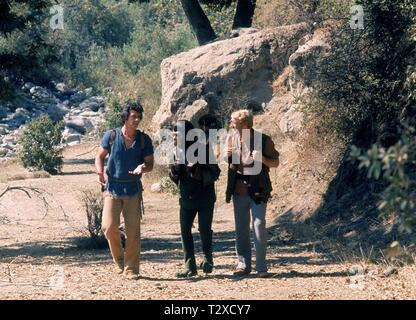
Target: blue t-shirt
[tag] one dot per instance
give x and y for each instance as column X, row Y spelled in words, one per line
column 123, row 160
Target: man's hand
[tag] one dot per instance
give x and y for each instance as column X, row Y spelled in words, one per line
column 101, row 178
column 138, row 170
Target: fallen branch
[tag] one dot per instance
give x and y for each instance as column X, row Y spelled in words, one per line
column 26, row 190
column 89, row 151
column 40, row 194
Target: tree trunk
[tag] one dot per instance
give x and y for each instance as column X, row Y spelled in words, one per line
column 198, row 21
column 244, row 14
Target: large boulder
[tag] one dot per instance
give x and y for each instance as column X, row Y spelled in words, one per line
column 303, row 61
column 57, row 111
column 93, row 103
column 218, row 72
column 79, row 124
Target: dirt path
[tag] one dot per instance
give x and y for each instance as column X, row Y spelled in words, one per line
column 39, row 257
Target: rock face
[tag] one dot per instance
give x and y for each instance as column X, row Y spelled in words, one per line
column 304, row 60
column 203, row 79
column 267, row 71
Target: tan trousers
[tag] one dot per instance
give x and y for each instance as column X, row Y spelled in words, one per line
column 131, row 209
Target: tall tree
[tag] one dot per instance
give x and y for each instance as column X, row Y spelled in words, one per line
column 11, row 20
column 244, row 14
column 198, row 21
column 201, row 25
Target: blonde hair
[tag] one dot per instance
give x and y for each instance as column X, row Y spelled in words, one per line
column 243, row 116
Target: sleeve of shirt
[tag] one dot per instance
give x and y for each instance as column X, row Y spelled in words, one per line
column 148, row 146
column 105, row 141
column 270, row 150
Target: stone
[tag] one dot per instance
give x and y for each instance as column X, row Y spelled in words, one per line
column 28, row 86
column 192, row 113
column 390, row 271
column 3, row 152
column 93, row 103
column 237, row 71
column 156, row 187
column 9, row 139
column 79, row 124
column 291, row 121
column 303, row 61
column 57, row 111
column 73, row 138
column 41, row 94
column 62, row 88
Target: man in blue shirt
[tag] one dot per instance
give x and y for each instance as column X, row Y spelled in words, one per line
column 130, row 155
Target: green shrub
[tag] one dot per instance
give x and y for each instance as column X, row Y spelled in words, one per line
column 168, row 186
column 40, row 145
column 397, row 166
column 112, row 118
column 365, row 92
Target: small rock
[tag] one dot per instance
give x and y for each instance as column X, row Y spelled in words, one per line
column 28, row 86
column 73, row 138
column 88, row 92
column 62, row 87
column 9, row 139
column 73, row 143
column 390, row 271
column 3, row 152
column 40, row 94
column 89, row 114
column 356, row 270
column 156, row 187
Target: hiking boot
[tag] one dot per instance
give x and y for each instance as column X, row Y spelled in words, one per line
column 206, row 266
column 186, row 273
column 119, row 267
column 263, row 274
column 241, row 272
column 129, row 275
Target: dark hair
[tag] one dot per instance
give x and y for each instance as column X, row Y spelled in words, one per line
column 209, row 121
column 188, row 126
column 131, row 105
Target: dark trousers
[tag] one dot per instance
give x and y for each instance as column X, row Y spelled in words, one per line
column 187, row 214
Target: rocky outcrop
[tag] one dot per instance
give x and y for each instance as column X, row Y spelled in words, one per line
column 267, row 71
column 203, row 79
column 81, row 113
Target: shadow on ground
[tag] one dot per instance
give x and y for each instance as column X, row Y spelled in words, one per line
column 69, row 251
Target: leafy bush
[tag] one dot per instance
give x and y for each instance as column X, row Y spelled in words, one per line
column 168, row 186
column 364, row 91
column 359, row 85
column 40, row 145
column 397, row 166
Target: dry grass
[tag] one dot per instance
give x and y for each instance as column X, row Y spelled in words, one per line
column 12, row 170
